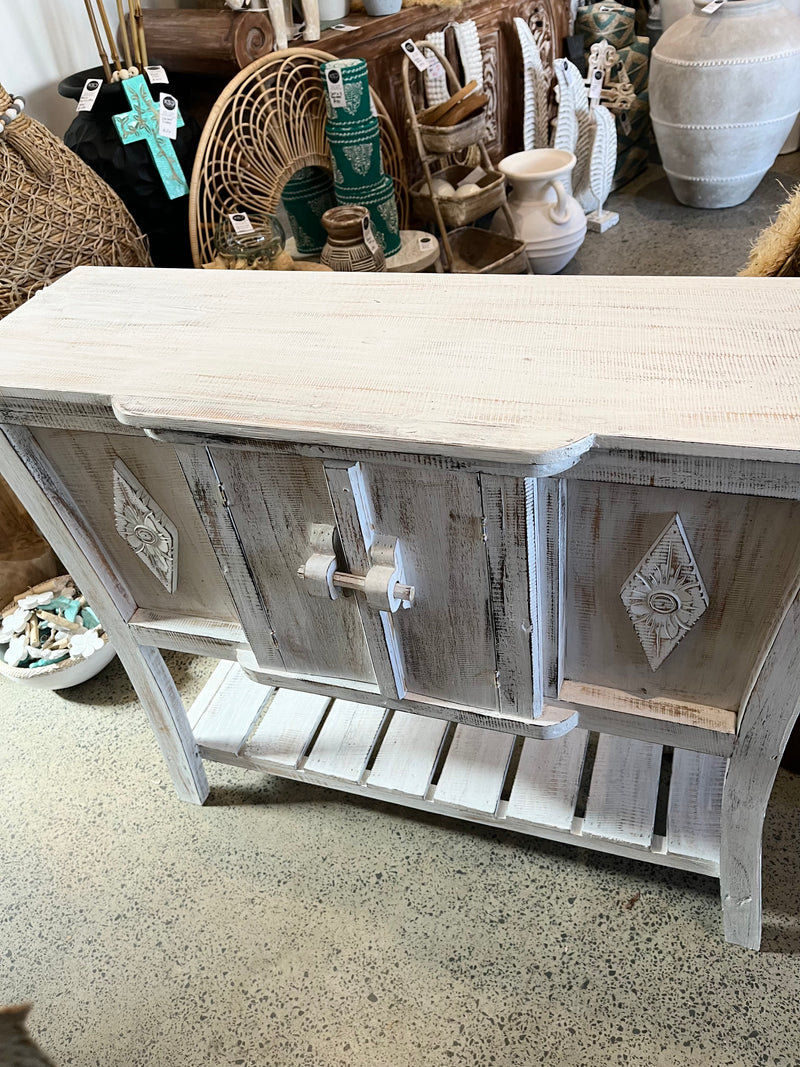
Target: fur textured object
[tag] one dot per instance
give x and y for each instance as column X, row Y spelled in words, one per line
column 16, row 1047
column 776, row 253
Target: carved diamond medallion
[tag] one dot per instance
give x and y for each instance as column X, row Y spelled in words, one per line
column 142, row 523
column 665, row 595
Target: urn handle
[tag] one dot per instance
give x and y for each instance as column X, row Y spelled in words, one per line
column 559, row 212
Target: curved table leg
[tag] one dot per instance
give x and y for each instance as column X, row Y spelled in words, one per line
column 771, row 712
column 36, row 484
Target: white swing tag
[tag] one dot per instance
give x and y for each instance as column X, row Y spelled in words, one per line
column 435, row 68
column 168, row 116
column 596, row 85
column 89, row 94
column 240, row 222
column 625, row 123
column 372, row 108
column 157, row 75
column 715, row 5
column 344, row 27
column 369, row 236
column 335, row 88
column 414, row 54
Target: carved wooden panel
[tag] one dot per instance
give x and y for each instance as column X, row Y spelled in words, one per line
column 145, row 527
column 747, row 552
column 85, row 462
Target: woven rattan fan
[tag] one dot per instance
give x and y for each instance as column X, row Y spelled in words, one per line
column 269, row 123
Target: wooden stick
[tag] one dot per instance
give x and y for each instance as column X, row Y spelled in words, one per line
column 123, row 29
column 111, row 45
column 140, row 28
column 137, row 52
column 97, row 40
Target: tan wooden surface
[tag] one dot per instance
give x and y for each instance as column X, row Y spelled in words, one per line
column 524, row 369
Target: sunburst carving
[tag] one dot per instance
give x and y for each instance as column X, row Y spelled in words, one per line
column 145, row 527
column 665, row 595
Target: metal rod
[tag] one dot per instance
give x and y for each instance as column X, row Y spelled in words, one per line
column 97, row 40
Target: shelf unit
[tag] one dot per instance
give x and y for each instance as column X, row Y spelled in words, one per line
column 589, row 789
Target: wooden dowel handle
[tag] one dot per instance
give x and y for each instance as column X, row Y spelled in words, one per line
column 344, row 580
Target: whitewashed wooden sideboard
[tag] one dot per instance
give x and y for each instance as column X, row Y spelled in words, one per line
column 521, row 550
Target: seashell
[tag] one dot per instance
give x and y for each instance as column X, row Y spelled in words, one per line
column 17, row 651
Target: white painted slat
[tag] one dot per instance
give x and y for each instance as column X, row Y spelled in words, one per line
column 208, row 692
column 408, row 754
column 287, row 728
column 475, row 769
column 547, row 780
column 695, row 802
column 232, row 712
column 345, row 740
column 624, row 791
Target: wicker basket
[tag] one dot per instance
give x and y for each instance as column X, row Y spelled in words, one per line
column 484, row 252
column 58, row 214
column 440, row 140
column 458, row 211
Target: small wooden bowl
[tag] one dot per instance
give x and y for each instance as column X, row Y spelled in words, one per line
column 484, row 252
column 443, row 139
column 459, row 211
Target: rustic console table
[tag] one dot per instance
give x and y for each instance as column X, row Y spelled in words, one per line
column 520, row 550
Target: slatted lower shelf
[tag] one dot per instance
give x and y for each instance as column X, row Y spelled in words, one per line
column 497, row 779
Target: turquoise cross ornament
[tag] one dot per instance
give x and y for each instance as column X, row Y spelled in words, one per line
column 141, row 124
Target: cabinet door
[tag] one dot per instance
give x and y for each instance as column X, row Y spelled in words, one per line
column 442, row 648
column 274, row 502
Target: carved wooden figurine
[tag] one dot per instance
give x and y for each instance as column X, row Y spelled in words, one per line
column 467, row 514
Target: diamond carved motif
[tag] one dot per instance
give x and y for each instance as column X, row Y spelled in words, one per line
column 665, row 595
column 145, row 527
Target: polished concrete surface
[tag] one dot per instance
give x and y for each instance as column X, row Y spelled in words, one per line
column 291, row 926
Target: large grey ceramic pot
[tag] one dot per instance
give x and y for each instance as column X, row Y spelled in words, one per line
column 724, row 93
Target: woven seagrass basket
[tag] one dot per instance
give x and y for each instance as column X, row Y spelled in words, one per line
column 57, row 214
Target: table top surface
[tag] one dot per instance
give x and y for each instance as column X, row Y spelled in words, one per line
column 513, row 369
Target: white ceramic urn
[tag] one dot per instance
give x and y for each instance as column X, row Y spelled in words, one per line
column 550, row 221
column 724, row 94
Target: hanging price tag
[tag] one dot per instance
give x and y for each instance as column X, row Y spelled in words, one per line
column 414, row 54
column 372, row 108
column 168, row 116
column 89, row 94
column 369, row 236
column 335, row 88
column 625, row 123
column 240, row 222
column 596, row 85
column 344, row 28
column 715, row 5
column 435, row 68
column 157, row 75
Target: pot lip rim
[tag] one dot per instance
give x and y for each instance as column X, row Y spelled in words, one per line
column 507, row 165
column 734, row 5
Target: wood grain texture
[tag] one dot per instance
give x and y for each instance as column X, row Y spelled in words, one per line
column 274, row 501
column 511, row 547
column 547, row 780
column 695, row 800
column 492, row 367
column 356, row 525
column 748, row 553
column 408, row 754
column 446, row 638
column 285, row 731
column 85, row 463
column 345, row 741
column 234, row 707
column 681, row 712
column 624, row 790
column 768, row 719
column 32, row 478
column 475, row 770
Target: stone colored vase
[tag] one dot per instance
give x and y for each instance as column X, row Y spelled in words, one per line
column 724, row 94
column 550, row 221
column 346, row 248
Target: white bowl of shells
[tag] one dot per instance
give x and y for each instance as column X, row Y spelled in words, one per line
column 50, row 638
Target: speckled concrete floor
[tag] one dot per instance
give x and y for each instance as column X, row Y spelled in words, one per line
column 288, row 926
